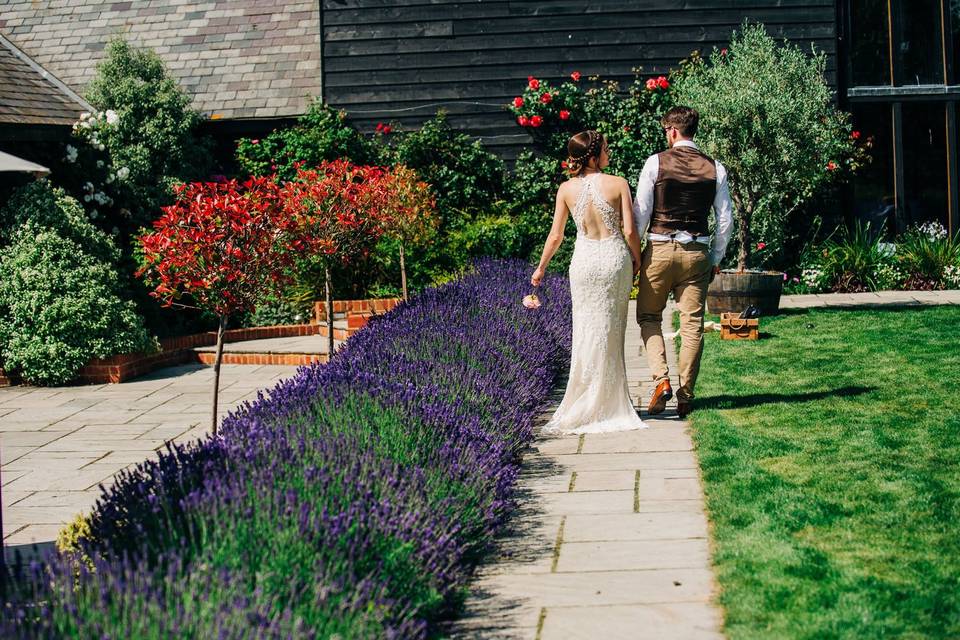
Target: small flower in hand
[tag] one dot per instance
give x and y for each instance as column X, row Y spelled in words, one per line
column 531, row 301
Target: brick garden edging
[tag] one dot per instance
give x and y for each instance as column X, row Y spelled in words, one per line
column 179, row 350
column 356, row 313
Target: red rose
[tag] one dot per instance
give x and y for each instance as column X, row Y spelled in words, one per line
column 563, row 164
column 533, row 83
column 627, row 129
column 723, row 52
column 855, row 135
column 254, row 141
column 518, row 102
column 546, row 98
column 651, row 85
column 576, row 76
column 761, row 246
column 564, row 114
column 663, row 83
column 379, row 126
column 523, row 121
column 831, row 166
column 386, row 128
column 536, row 121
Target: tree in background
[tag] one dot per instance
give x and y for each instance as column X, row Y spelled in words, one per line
column 411, row 211
column 321, row 134
column 224, row 247
column 340, row 210
column 142, row 140
column 767, row 113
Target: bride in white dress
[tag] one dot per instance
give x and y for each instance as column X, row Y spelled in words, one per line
column 606, row 257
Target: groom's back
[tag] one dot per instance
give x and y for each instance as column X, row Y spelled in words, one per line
column 684, row 191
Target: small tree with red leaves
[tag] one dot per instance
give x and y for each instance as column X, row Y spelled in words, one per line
column 223, row 246
column 411, row 216
column 340, row 210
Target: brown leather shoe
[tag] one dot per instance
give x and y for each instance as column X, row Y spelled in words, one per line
column 684, row 408
column 661, row 394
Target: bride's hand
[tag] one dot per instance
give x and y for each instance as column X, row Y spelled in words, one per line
column 636, row 266
column 537, row 277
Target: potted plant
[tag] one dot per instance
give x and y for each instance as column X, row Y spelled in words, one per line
column 768, row 115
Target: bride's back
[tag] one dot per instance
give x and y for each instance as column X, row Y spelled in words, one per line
column 598, row 216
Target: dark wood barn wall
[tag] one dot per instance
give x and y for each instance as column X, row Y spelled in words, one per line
column 400, row 60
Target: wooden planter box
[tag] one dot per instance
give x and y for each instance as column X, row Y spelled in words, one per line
column 732, row 292
column 734, row 328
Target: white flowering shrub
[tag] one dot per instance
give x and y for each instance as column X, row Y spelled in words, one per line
column 143, row 139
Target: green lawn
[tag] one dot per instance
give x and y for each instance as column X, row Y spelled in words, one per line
column 830, row 451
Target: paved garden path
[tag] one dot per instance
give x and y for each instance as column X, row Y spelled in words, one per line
column 58, row 444
column 870, row 299
column 611, row 538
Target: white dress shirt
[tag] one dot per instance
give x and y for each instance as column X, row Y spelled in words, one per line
column 722, row 207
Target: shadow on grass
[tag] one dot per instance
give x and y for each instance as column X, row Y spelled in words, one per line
column 742, row 402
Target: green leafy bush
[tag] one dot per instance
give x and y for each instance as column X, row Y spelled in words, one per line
column 143, row 139
column 44, row 206
column 929, row 256
column 59, row 307
column 322, row 133
column 769, row 116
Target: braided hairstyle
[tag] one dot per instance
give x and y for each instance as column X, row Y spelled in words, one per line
column 581, row 147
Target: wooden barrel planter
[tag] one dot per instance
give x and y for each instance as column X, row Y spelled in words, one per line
column 732, row 292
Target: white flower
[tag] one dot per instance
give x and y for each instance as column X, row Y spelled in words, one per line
column 101, row 147
column 99, row 164
column 112, row 116
column 122, row 173
column 110, row 178
column 951, row 276
column 84, row 116
column 88, row 186
column 94, row 214
column 933, row 230
column 71, row 153
column 87, row 198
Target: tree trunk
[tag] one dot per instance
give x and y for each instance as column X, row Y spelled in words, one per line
column 328, row 290
column 403, row 274
column 216, row 372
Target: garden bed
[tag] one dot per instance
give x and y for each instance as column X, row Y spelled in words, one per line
column 354, row 499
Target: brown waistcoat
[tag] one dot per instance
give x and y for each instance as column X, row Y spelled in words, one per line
column 684, row 192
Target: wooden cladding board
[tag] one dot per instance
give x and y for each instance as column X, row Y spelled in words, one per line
column 399, row 61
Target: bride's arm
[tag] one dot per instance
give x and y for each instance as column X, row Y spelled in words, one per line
column 554, row 240
column 630, row 233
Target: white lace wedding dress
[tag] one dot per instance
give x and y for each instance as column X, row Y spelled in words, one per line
column 597, row 399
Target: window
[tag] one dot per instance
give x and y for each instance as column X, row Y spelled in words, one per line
column 924, row 163
column 919, row 43
column 874, row 200
column 869, row 43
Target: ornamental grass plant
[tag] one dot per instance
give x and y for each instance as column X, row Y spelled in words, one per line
column 352, row 499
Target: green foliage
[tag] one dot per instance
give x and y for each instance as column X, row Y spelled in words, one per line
column 929, row 255
column 769, row 116
column 59, row 307
column 42, row 205
column 630, row 120
column 322, row 133
column 829, row 458
column 142, row 141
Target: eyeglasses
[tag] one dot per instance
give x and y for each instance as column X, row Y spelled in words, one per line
column 667, row 129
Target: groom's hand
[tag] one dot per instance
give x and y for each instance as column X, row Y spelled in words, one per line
column 714, row 271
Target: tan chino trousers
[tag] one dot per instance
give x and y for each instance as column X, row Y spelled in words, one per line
column 685, row 270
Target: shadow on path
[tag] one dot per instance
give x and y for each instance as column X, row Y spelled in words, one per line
column 741, row 402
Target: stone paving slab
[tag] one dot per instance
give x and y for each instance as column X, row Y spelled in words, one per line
column 611, row 541
column 870, row 299
column 58, row 445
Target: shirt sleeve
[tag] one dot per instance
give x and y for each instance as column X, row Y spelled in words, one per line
column 723, row 211
column 643, row 202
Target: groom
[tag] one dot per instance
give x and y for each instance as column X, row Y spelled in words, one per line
column 675, row 192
